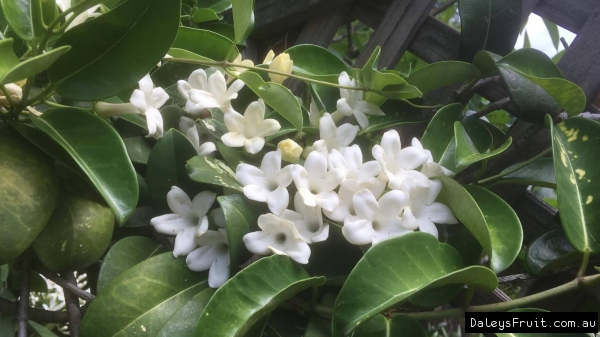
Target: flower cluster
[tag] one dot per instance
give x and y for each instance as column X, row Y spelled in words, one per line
column 371, row 201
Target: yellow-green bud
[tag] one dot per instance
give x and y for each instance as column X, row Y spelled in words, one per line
column 290, row 150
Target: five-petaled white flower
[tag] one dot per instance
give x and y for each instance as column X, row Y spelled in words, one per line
column 213, row 254
column 316, row 184
column 148, row 100
column 308, row 221
column 333, row 137
column 398, row 165
column 188, row 219
column 375, row 220
column 278, row 236
column 202, row 93
column 268, row 183
column 250, row 129
column 189, row 128
column 423, row 212
column 352, row 102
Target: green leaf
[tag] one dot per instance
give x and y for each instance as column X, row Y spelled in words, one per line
column 538, row 173
column 100, row 153
column 490, row 219
column 186, row 54
column 33, row 66
column 125, row 254
column 205, row 15
column 553, row 31
column 316, row 62
column 440, row 74
column 243, row 18
column 212, row 171
column 256, row 291
column 113, row 52
column 526, row 42
column 466, row 244
column 231, row 155
column 80, row 229
column 28, row 188
column 395, row 269
column 549, row 251
column 396, row 113
column 206, row 44
column 143, row 298
column 276, row 96
column 378, row 80
column 166, row 168
column 240, row 217
column 183, row 322
column 439, row 134
column 574, row 145
column 137, row 149
column 492, row 25
column 41, row 330
column 216, row 5
column 24, row 17
column 397, row 326
column 466, row 152
column 8, row 59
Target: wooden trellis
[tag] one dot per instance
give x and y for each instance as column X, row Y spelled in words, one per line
column 402, row 25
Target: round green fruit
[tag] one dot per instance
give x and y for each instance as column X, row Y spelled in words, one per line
column 77, row 234
column 28, row 191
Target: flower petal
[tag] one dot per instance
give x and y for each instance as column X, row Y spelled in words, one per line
column 184, row 89
column 201, row 259
column 391, row 204
column 184, row 242
column 259, row 242
column 197, row 80
column 219, row 271
column 233, row 139
column 218, row 217
column 254, row 145
column 428, row 227
column 365, row 204
column 206, row 148
column 179, row 202
column 438, row 213
column 138, row 99
column 277, row 200
column 202, row 202
column 268, row 127
column 250, row 175
column 368, row 108
column 158, row 97
column 358, row 231
column 343, row 107
column 170, row 224
column 346, row 134
column 146, row 85
column 271, row 164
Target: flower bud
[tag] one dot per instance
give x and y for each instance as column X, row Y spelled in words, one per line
column 106, row 110
column 282, row 63
column 237, row 71
column 15, row 92
column 290, row 150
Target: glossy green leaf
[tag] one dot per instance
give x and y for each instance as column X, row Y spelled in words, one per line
column 115, row 50
column 440, row 74
column 553, row 31
column 574, row 145
column 33, row 66
column 395, row 269
column 28, row 188
column 8, row 59
column 549, row 251
column 465, row 244
column 466, row 152
column 240, row 217
column 205, row 15
column 166, row 168
column 378, row 80
column 125, row 254
column 440, row 133
column 256, row 291
column 397, row 326
column 79, row 231
column 137, row 149
column 205, row 43
column 231, row 156
column 186, row 54
column 396, row 113
column 41, row 330
column 492, row 25
column 483, row 213
column 212, row 171
column 538, row 173
column 157, row 287
column 216, row 5
column 243, row 18
column 24, row 17
column 276, row 96
column 183, row 322
column 100, row 153
column 316, row 62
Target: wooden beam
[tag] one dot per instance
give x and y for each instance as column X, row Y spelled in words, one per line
column 569, row 14
column 396, row 30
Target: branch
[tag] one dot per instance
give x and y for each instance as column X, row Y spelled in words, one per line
column 442, row 7
column 24, row 297
column 491, row 108
column 73, row 310
column 11, row 308
column 72, row 288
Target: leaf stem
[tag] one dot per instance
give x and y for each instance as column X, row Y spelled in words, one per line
column 422, row 106
column 11, row 102
column 225, row 64
column 24, row 295
column 468, row 296
column 584, row 262
column 43, row 95
column 72, row 304
column 578, row 283
column 514, row 168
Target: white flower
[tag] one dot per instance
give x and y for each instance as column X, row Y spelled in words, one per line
column 278, row 236
column 290, row 150
column 81, row 18
column 213, row 254
column 422, row 212
column 188, row 219
column 352, row 102
column 148, row 100
column 267, row 184
column 250, row 129
column 375, row 221
column 332, row 137
column 202, row 93
column 282, row 63
column 316, row 184
column 313, row 114
column 238, row 70
column 308, row 221
column 398, row 165
column 190, row 130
